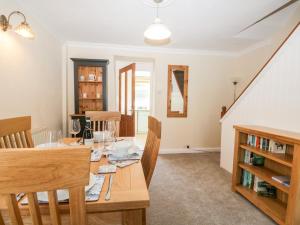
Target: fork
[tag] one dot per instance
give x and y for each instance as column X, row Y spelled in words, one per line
column 107, row 195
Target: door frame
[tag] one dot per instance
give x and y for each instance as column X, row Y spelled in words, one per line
column 136, row 60
column 125, row 118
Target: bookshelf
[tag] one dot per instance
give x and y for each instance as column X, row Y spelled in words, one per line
column 284, row 207
column 90, row 85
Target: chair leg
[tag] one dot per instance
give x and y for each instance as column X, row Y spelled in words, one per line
column 1, row 220
column 144, row 216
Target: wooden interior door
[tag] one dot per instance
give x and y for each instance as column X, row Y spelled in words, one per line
column 127, row 100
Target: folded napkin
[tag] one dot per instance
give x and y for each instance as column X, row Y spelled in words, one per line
column 107, row 169
column 96, row 155
column 93, row 194
column 132, row 156
column 122, row 164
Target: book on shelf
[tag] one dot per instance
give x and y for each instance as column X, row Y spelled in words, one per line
column 276, row 147
column 266, row 144
column 257, row 142
column 285, row 180
column 248, row 157
column 253, row 159
column 265, row 189
column 257, row 184
column 247, row 179
column 251, row 140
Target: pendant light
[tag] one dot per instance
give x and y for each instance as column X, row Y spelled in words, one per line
column 157, row 31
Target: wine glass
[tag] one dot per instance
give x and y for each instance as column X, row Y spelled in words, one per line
column 75, row 127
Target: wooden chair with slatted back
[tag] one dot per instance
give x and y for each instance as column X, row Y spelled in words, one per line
column 151, row 150
column 97, row 118
column 16, row 133
column 29, row 170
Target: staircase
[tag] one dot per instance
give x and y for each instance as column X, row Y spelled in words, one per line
column 271, row 99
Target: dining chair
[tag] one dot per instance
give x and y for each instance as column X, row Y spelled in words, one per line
column 151, row 149
column 150, row 154
column 29, row 170
column 98, row 117
column 16, row 133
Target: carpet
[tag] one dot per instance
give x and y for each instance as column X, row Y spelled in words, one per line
column 192, row 189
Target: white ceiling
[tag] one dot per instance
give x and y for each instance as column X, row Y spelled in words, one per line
column 195, row 24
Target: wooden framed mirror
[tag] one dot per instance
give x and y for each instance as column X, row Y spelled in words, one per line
column 177, row 91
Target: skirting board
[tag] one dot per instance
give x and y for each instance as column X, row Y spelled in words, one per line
column 188, row 150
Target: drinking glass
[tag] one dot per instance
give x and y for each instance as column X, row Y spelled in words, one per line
column 60, row 137
column 75, row 127
column 108, row 132
column 111, row 127
column 105, row 134
column 53, row 137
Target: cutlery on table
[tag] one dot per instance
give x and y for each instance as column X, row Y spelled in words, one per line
column 122, row 139
column 107, row 195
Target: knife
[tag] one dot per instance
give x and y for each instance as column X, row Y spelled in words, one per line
column 107, row 195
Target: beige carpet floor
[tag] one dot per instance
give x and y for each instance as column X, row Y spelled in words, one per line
column 190, row 189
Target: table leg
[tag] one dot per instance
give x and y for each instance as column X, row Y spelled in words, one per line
column 134, row 217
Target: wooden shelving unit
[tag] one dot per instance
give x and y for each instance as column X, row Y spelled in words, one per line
column 285, row 208
column 265, row 174
column 90, row 85
column 272, row 207
column 284, row 159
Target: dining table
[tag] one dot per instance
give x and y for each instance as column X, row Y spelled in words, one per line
column 129, row 192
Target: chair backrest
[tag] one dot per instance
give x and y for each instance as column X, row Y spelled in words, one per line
column 151, row 150
column 32, row 170
column 97, row 118
column 16, row 133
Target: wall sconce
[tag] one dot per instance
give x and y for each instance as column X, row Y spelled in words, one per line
column 22, row 29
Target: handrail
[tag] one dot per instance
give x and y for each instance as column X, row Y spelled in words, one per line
column 258, row 73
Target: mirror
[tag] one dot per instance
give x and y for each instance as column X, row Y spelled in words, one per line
column 177, row 91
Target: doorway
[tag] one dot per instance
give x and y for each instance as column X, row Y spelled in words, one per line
column 142, row 96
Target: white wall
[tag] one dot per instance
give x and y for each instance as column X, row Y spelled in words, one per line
column 30, row 73
column 207, row 85
column 247, row 65
column 273, row 100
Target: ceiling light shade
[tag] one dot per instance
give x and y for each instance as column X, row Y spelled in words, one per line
column 24, row 30
column 157, row 31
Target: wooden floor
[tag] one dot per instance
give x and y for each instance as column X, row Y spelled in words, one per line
column 93, row 219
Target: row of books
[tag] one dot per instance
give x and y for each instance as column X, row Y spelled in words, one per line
column 253, row 159
column 266, row 144
column 260, row 186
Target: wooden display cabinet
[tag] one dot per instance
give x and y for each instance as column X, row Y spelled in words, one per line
column 285, row 208
column 90, row 85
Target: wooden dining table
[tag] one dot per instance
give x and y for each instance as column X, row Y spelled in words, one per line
column 129, row 193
